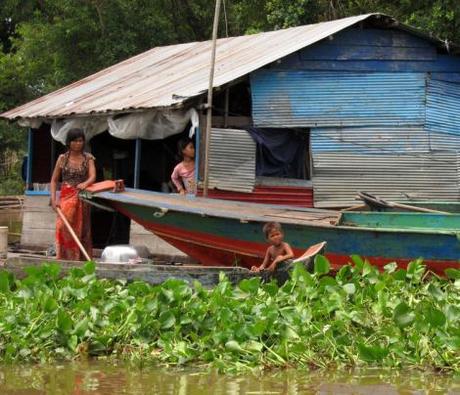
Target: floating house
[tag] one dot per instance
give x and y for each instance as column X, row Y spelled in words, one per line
column 305, row 116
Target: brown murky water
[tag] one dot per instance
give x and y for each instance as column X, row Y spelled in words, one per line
column 91, row 378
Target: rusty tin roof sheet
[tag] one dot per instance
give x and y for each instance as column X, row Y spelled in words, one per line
column 165, row 77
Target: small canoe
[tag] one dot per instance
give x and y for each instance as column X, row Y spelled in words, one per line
column 156, row 273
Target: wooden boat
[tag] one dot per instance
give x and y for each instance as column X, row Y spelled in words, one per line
column 220, row 232
column 156, row 272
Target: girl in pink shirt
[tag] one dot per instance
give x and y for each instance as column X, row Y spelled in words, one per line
column 183, row 175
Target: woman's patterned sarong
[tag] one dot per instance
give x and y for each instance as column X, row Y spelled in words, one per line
column 78, row 215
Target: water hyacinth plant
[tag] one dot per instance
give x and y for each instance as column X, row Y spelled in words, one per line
column 359, row 316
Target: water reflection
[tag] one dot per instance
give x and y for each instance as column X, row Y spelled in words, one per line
column 100, row 378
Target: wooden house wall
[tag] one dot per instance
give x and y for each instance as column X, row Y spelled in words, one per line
column 382, row 108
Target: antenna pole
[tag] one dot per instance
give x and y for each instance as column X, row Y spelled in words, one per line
column 209, row 103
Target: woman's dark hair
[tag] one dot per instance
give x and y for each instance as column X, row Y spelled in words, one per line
column 181, row 144
column 74, row 134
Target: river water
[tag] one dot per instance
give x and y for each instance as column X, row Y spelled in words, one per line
column 104, row 378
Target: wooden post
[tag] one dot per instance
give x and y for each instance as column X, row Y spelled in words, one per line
column 137, row 163
column 226, row 106
column 30, row 150
column 197, row 158
column 53, row 155
column 209, row 104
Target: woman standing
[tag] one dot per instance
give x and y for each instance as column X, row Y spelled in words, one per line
column 77, row 170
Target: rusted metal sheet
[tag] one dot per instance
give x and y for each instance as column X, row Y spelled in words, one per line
column 293, row 196
column 165, row 77
column 232, row 160
column 394, row 163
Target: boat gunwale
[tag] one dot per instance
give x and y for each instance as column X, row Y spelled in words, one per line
column 121, row 198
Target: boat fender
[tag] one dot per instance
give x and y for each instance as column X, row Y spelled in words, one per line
column 160, row 213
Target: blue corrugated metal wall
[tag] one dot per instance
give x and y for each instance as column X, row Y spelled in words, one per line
column 383, row 108
column 308, row 99
column 443, row 106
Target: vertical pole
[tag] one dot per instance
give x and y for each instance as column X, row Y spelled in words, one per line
column 30, row 150
column 209, row 104
column 226, row 106
column 137, row 163
column 197, row 158
column 53, row 154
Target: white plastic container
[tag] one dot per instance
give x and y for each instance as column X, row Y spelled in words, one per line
column 3, row 241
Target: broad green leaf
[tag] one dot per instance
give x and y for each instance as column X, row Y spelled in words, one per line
column 367, row 268
column 358, row 261
column 390, row 267
column 435, row 317
column 400, row 275
column 453, row 274
column 53, row 269
column 64, row 321
column 371, row 353
column 349, row 288
column 233, row 345
column 403, row 315
column 4, row 281
column 290, row 333
column 89, row 267
column 436, row 292
column 167, row 319
column 258, row 328
column 250, row 285
column 253, row 346
column 322, row 265
column 415, row 270
column 453, row 313
column 81, row 327
column 72, row 342
column 300, row 274
column 50, row 305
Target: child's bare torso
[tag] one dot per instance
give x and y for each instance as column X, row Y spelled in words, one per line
column 276, row 251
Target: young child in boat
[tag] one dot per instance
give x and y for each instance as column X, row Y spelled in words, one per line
column 278, row 251
column 183, row 175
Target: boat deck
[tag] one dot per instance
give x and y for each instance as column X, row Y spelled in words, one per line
column 222, row 208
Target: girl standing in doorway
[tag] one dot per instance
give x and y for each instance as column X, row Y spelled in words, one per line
column 183, row 175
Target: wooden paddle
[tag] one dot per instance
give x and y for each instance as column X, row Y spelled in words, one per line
column 71, row 231
column 374, row 201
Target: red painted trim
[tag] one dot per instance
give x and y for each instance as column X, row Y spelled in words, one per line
column 278, row 195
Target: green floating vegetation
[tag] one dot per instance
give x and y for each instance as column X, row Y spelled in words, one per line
column 358, row 317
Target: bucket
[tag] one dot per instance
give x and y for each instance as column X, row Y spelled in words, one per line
column 3, row 241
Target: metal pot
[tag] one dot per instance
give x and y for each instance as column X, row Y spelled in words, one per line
column 124, row 254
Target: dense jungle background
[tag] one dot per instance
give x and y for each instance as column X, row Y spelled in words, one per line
column 46, row 44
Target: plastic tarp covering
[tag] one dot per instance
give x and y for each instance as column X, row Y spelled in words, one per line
column 280, row 152
column 150, row 125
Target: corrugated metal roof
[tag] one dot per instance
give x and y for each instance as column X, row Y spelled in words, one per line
column 164, row 77
column 317, row 98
